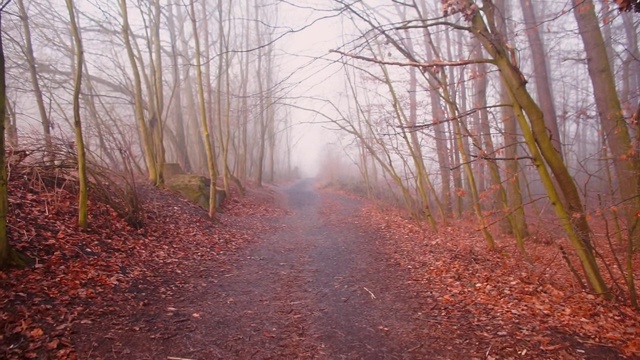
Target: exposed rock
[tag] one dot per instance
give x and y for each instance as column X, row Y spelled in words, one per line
column 195, row 188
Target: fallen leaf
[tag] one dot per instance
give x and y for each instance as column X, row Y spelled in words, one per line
column 37, row 332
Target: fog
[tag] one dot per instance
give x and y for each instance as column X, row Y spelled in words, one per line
column 315, row 75
column 510, row 118
column 279, row 103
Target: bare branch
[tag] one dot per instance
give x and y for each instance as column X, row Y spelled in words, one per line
column 418, row 64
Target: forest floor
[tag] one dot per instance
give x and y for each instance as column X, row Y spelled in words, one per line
column 287, row 273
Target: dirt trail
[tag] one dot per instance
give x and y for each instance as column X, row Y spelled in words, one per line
column 314, row 287
column 354, row 310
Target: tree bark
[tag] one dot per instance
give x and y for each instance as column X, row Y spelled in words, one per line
column 625, row 158
column 8, row 256
column 83, row 192
column 578, row 228
column 206, row 135
column 145, row 136
column 508, row 118
column 182, row 152
column 33, row 74
column 158, row 87
column 541, row 72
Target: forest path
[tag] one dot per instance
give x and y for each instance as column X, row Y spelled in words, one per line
column 316, row 285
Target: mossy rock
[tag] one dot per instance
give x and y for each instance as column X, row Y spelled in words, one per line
column 195, row 188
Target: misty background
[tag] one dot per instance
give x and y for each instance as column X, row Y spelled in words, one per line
column 402, row 101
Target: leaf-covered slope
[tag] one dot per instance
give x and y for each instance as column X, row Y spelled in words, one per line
column 78, row 276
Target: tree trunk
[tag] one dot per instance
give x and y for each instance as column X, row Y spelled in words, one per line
column 8, row 256
column 244, row 106
column 625, row 159
column 182, row 152
column 206, row 135
column 223, row 109
column 31, row 64
column 145, row 136
column 262, row 122
column 488, row 151
column 11, row 125
column 198, row 155
column 630, row 67
column 83, row 192
column 576, row 224
column 158, row 87
column 512, row 168
column 440, row 133
column 414, row 144
column 541, row 72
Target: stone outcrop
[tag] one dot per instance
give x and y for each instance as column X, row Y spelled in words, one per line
column 195, row 188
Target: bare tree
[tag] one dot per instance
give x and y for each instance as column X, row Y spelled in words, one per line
column 83, row 192
column 35, row 83
column 143, row 129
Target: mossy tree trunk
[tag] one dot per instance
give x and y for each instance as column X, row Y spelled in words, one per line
column 512, row 168
column 158, row 87
column 538, row 140
column 83, row 196
column 614, row 126
column 204, row 123
column 143, row 130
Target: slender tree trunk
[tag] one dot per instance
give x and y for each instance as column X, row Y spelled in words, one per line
column 31, row 64
column 466, row 165
column 540, row 71
column 488, row 149
column 244, row 107
column 198, row 155
column 8, row 256
column 158, row 87
column 262, row 130
column 145, row 136
column 83, row 194
column 512, row 168
column 206, row 135
column 11, row 125
column 182, row 152
column 212, row 110
column 223, row 109
column 272, row 137
column 415, row 153
column 415, row 148
column 440, row 133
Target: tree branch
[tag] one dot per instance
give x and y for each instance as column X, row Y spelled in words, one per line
column 422, row 65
